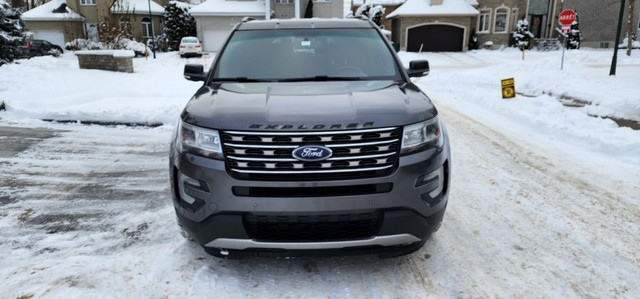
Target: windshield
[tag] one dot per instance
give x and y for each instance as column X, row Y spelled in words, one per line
column 306, row 54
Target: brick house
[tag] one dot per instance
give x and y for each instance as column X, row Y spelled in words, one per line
column 446, row 25
column 599, row 20
column 60, row 21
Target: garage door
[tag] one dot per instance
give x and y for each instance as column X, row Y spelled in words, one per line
column 435, row 38
column 52, row 36
column 212, row 40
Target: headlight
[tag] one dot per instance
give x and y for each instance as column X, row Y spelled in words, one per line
column 420, row 136
column 201, row 141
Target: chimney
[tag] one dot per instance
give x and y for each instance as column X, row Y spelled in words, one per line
column 436, row 2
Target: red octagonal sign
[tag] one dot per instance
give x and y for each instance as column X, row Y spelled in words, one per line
column 567, row 17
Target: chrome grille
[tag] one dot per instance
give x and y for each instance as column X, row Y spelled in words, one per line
column 268, row 155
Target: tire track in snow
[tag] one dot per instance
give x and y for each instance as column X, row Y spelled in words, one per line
column 84, row 180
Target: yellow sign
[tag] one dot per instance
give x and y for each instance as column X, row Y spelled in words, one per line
column 508, row 88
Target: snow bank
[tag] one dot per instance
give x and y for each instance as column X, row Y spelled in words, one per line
column 470, row 83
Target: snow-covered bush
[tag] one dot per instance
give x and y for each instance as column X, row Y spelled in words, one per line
column 110, row 36
column 12, row 33
column 373, row 12
column 473, row 40
column 122, row 44
column 158, row 43
column 574, row 35
column 521, row 35
column 83, row 44
column 178, row 23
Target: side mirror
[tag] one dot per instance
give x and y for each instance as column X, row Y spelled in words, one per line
column 194, row 72
column 418, row 68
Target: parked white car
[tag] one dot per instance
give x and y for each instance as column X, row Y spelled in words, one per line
column 190, row 45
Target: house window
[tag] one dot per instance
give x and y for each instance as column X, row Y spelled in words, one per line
column 146, row 27
column 484, row 21
column 502, row 19
column 125, row 23
column 284, row 1
column 88, row 2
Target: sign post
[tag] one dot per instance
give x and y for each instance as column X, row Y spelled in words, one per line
column 565, row 19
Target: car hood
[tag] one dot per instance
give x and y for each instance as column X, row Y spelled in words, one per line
column 303, row 106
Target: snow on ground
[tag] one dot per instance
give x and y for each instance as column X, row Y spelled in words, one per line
column 475, row 90
column 55, row 88
column 544, row 198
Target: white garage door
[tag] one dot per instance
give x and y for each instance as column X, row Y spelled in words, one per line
column 212, row 40
column 52, row 36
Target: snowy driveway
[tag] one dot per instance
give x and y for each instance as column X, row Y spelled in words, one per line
column 539, row 207
column 89, row 213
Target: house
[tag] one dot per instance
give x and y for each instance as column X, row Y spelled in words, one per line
column 60, row 21
column 599, row 20
column 446, row 25
column 215, row 18
column 497, row 19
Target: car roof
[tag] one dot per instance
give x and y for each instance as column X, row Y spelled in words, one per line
column 303, row 23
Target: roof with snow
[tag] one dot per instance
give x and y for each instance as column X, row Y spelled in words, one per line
column 136, row 7
column 55, row 10
column 229, row 8
column 425, row 8
column 378, row 2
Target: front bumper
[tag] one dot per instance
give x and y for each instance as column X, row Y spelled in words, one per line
column 398, row 219
column 190, row 52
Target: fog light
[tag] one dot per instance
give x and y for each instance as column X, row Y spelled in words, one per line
column 433, row 181
column 182, row 179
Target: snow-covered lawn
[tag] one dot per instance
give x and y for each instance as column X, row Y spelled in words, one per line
column 544, row 202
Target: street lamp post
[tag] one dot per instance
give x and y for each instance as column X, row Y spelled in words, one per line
column 153, row 41
column 614, row 61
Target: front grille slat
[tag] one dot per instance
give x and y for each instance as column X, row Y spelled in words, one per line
column 268, row 155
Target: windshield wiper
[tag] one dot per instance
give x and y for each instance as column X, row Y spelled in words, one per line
column 239, row 79
column 320, row 78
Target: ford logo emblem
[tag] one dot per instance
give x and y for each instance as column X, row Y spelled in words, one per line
column 310, row 153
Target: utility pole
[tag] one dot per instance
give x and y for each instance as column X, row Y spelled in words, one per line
column 614, row 61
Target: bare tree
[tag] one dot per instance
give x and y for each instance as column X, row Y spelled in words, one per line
column 630, row 27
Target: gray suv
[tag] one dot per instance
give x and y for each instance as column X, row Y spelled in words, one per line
column 308, row 137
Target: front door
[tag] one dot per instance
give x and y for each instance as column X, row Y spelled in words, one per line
column 536, row 25
column 91, row 31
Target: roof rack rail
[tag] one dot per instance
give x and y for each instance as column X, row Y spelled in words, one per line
column 247, row 19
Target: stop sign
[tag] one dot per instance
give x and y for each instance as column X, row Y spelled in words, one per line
column 567, row 17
